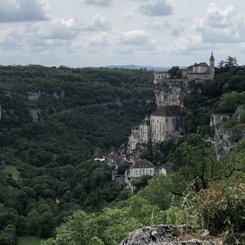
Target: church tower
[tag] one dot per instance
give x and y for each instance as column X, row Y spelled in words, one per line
column 212, row 65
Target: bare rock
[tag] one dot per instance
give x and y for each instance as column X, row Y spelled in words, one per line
column 169, row 235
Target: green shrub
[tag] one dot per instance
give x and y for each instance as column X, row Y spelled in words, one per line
column 222, row 210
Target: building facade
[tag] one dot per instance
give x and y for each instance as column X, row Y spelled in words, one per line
column 141, row 168
column 197, row 71
column 166, row 123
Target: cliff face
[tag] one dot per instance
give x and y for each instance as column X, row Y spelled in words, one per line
column 169, row 235
column 170, row 92
column 224, row 137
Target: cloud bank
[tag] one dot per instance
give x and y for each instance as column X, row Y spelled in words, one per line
column 21, row 11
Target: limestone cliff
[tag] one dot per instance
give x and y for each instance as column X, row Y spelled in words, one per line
column 170, row 92
column 225, row 137
column 169, row 235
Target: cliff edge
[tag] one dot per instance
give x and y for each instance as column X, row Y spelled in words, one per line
column 169, row 235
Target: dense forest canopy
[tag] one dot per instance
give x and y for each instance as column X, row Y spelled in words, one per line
column 47, row 170
column 55, row 121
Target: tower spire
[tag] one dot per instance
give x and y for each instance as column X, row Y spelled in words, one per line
column 212, row 56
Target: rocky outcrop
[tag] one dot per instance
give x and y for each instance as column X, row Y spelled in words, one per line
column 35, row 114
column 240, row 110
column 224, row 137
column 116, row 157
column 34, row 96
column 121, row 156
column 169, row 235
column 170, row 92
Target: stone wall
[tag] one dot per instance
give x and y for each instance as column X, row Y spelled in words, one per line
column 200, row 76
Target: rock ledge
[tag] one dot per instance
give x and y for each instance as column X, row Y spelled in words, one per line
column 169, row 235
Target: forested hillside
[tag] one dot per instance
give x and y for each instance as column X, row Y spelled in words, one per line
column 54, row 121
column 204, row 193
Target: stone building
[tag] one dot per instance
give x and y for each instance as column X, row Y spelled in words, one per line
column 134, row 139
column 202, row 71
column 165, row 123
column 145, row 130
column 141, row 168
column 197, row 71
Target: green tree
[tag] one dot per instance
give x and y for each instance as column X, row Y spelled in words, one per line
column 175, row 72
column 96, row 241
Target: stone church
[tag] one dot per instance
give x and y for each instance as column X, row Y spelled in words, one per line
column 166, row 122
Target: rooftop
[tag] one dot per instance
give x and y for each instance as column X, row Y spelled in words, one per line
column 142, row 163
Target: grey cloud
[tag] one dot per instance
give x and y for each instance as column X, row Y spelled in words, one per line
column 156, row 8
column 40, row 36
column 174, row 25
column 58, row 29
column 221, row 25
column 101, row 3
column 21, row 10
column 136, row 37
column 101, row 40
column 98, row 23
column 12, row 40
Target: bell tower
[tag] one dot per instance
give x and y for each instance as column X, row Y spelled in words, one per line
column 212, row 65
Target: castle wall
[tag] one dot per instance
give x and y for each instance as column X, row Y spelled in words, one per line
column 200, row 76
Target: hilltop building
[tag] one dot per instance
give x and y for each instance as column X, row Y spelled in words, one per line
column 201, row 71
column 198, row 71
column 166, row 122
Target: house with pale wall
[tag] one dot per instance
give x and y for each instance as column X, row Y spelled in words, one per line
column 143, row 167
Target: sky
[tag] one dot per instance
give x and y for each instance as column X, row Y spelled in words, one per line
column 81, row 33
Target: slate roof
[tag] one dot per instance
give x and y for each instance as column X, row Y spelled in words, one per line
column 142, row 163
column 203, row 64
column 168, row 111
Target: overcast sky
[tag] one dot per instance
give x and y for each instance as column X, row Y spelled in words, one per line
column 81, row 33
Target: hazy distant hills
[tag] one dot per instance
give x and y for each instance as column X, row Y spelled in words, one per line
column 137, row 67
